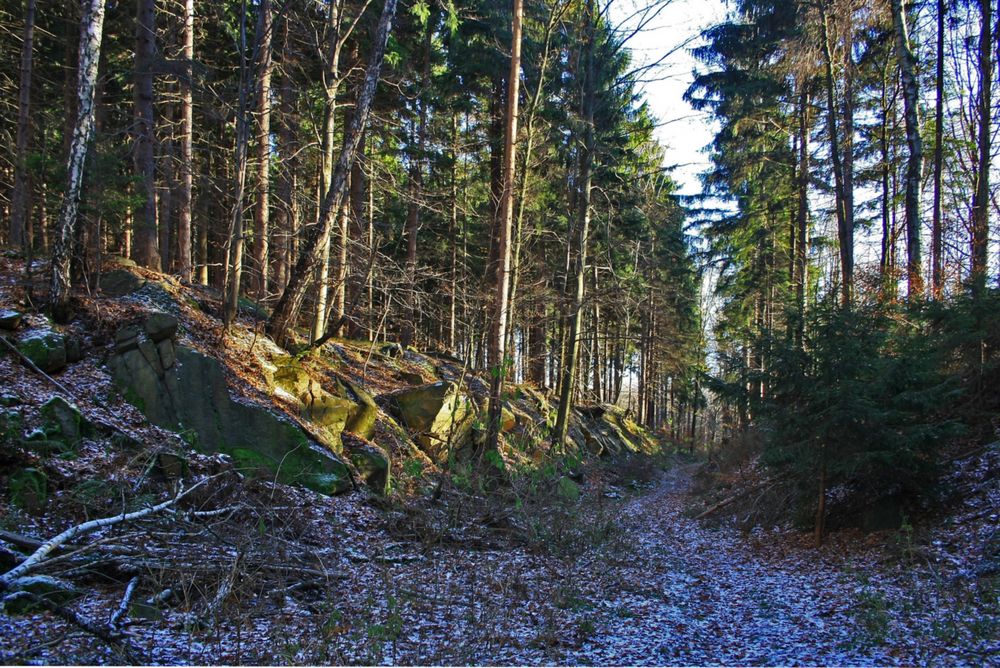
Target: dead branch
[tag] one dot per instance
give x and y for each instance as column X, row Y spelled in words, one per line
column 126, row 601
column 40, row 554
column 116, row 639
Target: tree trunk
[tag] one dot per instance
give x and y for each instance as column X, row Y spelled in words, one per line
column 185, row 195
column 261, row 217
column 802, row 217
column 845, row 231
column 145, row 246
column 569, row 364
column 19, row 198
column 937, row 235
column 981, row 198
column 914, row 162
column 91, row 31
column 498, row 335
column 234, row 258
column 288, row 306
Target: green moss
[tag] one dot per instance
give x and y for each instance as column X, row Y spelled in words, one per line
column 29, row 489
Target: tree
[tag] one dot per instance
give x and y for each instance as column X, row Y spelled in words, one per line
column 290, row 302
column 980, row 200
column 498, row 330
column 262, row 209
column 91, row 32
column 914, row 163
column 184, row 205
column 19, row 197
column 146, row 246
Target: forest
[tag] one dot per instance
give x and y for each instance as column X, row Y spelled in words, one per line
column 391, row 332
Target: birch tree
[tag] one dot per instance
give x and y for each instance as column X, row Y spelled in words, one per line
column 91, row 32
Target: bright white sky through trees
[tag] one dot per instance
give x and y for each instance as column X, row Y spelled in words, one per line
column 669, row 36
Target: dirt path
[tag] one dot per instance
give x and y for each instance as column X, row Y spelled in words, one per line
column 685, row 594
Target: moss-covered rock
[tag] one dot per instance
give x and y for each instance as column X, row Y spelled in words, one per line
column 45, row 348
column 372, row 464
column 181, row 389
column 29, row 489
column 62, row 421
column 362, row 422
column 120, row 282
column 438, row 417
column 10, row 319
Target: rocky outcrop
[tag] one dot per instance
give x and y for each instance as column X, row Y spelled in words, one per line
column 438, row 417
column 180, row 389
column 45, row 348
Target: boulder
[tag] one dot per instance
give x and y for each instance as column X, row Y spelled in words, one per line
column 160, row 326
column 326, row 410
column 362, row 422
column 45, row 348
column 180, row 389
column 10, row 319
column 372, row 464
column 438, row 417
column 62, row 421
column 120, row 282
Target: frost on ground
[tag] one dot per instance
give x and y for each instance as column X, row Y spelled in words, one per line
column 618, row 577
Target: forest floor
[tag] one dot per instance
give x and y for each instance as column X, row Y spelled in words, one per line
column 623, row 576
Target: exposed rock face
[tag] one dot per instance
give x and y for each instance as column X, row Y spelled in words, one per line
column 120, row 282
column 180, row 389
column 45, row 348
column 438, row 417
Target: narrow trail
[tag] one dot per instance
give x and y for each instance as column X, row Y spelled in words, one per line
column 682, row 593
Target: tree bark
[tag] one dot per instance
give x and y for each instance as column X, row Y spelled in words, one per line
column 498, row 333
column 914, row 161
column 844, row 207
column 91, row 32
column 570, row 358
column 937, row 234
column 290, row 302
column 234, row 256
column 185, row 195
column 981, row 198
column 262, row 210
column 145, row 246
column 19, row 198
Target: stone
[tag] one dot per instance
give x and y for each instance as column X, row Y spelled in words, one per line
column 160, row 326
column 51, row 589
column 171, row 465
column 165, row 349
column 62, row 421
column 127, row 338
column 10, row 319
column 411, row 378
column 372, row 464
column 438, row 417
column 74, row 349
column 120, row 282
column 29, row 489
column 328, row 411
column 45, row 348
column 362, row 422
column 568, row 489
column 391, row 350
column 192, row 397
